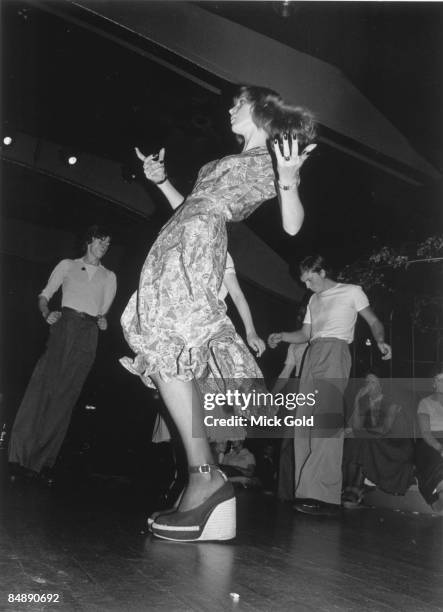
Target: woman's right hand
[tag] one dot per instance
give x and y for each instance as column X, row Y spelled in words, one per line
column 153, row 165
column 256, row 343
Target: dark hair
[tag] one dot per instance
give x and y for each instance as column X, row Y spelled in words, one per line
column 94, row 231
column 315, row 263
column 272, row 114
column 437, row 369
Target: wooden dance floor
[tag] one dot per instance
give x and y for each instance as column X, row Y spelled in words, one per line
column 82, row 541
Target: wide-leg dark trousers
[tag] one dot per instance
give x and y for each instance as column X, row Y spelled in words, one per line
column 318, row 450
column 58, row 378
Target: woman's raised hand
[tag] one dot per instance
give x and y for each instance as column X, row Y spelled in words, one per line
column 289, row 161
column 153, row 166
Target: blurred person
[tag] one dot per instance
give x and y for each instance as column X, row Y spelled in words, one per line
column 379, row 444
column 239, row 461
column 429, row 447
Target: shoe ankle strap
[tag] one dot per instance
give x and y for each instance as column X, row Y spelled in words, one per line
column 206, row 468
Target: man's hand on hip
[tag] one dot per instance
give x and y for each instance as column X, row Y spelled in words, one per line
column 102, row 323
column 53, row 317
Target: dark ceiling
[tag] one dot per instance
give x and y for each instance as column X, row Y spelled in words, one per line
column 70, row 85
column 391, row 51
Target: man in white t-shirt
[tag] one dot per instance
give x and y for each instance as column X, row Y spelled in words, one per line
column 329, row 328
column 88, row 290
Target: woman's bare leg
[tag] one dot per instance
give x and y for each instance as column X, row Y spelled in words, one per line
column 183, row 402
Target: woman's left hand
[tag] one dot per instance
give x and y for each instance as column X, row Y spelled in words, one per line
column 289, row 161
column 256, row 344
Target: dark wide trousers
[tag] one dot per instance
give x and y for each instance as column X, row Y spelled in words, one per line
column 58, row 378
column 318, row 450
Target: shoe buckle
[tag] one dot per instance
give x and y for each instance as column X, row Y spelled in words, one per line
column 204, row 469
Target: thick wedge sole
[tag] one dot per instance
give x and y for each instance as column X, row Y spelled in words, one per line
column 219, row 526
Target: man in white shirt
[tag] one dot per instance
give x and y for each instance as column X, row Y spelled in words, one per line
column 88, row 290
column 329, row 328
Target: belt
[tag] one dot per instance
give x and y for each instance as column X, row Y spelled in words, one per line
column 328, row 339
column 77, row 313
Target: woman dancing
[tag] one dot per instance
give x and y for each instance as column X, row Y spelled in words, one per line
column 176, row 323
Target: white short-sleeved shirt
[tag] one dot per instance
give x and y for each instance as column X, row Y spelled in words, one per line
column 333, row 313
column 85, row 288
column 428, row 405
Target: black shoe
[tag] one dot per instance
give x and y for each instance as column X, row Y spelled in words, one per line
column 317, row 508
column 352, row 498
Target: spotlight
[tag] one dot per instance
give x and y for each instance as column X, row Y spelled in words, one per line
column 368, row 342
column 284, row 9
column 7, row 140
column 68, row 157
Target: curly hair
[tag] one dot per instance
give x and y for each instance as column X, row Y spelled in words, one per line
column 271, row 113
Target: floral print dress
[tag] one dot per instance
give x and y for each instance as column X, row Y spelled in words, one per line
column 176, row 323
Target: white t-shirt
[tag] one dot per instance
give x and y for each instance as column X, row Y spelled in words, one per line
column 434, row 410
column 333, row 313
column 85, row 288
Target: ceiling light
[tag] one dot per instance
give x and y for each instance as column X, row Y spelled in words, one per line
column 283, row 9
column 68, row 156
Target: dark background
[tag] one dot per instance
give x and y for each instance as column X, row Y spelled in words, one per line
column 69, row 85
